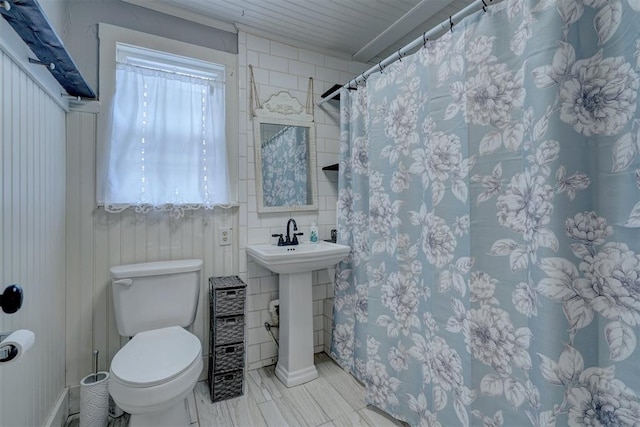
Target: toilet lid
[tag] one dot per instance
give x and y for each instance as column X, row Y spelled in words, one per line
column 156, row 356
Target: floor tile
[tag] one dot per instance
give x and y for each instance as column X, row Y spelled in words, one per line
column 334, row 399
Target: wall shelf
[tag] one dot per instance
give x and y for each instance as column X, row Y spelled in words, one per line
column 29, row 21
column 333, row 89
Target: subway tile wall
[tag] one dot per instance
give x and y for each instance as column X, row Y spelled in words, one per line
column 279, row 67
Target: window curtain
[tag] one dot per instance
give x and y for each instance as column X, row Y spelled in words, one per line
column 167, row 146
column 494, row 277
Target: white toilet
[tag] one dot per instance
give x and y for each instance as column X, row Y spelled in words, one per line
column 152, row 375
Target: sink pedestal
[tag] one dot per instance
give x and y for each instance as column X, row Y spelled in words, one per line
column 294, row 264
column 295, row 353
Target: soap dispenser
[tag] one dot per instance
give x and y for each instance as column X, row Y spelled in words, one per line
column 313, row 233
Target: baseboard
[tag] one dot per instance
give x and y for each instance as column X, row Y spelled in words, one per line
column 205, row 370
column 74, row 399
column 60, row 410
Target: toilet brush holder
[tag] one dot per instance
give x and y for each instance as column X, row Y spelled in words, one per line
column 94, row 400
column 94, row 397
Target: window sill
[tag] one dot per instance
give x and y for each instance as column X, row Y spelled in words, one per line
column 231, row 205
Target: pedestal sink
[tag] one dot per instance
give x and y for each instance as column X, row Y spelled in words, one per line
column 294, row 264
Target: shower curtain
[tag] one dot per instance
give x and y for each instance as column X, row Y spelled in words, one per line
column 490, row 191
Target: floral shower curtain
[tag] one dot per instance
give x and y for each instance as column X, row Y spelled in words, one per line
column 348, row 344
column 490, row 190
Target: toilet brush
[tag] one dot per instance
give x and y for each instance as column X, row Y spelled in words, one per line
column 94, row 397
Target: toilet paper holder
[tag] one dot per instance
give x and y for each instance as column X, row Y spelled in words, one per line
column 7, row 352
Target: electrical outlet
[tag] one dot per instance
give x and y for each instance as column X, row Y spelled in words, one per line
column 225, row 235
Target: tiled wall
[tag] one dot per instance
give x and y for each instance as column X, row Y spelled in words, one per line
column 327, row 318
column 279, row 67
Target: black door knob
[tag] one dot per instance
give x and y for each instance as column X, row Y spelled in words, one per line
column 11, row 299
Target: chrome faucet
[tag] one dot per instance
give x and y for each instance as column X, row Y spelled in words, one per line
column 289, row 241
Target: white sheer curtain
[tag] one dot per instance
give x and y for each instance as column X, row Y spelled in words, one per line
column 167, row 146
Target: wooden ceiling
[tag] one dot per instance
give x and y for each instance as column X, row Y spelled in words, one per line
column 361, row 30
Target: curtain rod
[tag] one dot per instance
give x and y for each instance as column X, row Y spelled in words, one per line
column 447, row 24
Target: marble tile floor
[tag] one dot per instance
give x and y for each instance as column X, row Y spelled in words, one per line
column 334, row 399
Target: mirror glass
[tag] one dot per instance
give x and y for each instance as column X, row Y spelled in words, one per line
column 285, row 165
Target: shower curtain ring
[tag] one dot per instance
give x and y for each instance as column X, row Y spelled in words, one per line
column 399, row 55
column 364, row 77
column 484, row 6
column 424, row 40
column 380, row 66
column 451, row 24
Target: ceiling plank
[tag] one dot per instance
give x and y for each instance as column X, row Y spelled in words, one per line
column 360, row 30
column 409, row 21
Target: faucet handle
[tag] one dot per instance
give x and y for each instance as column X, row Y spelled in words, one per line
column 280, row 239
column 295, row 237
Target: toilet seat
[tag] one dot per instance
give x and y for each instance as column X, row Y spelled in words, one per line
column 155, row 357
column 155, row 370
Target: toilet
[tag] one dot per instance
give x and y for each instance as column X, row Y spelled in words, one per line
column 152, row 374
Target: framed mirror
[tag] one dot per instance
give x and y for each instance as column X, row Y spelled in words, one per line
column 285, row 149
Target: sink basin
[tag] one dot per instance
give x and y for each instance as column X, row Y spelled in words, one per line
column 299, row 258
column 294, row 264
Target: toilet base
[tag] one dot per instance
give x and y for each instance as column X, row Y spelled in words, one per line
column 174, row 416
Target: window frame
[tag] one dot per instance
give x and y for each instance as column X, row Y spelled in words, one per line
column 109, row 36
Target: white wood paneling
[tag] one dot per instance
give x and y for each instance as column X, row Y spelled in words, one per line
column 339, row 27
column 98, row 240
column 32, row 229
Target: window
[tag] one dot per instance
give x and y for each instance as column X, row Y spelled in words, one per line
column 166, row 140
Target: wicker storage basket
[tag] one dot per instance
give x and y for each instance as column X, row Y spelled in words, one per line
column 228, row 302
column 229, row 357
column 227, row 296
column 227, row 385
column 228, row 330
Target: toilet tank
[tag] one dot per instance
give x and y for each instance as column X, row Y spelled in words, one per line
column 155, row 295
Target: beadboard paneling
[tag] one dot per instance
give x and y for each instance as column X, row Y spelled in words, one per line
column 98, row 240
column 32, row 253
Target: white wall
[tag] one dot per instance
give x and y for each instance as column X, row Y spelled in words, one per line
column 97, row 240
column 32, row 229
column 80, row 33
column 278, row 67
column 54, row 9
